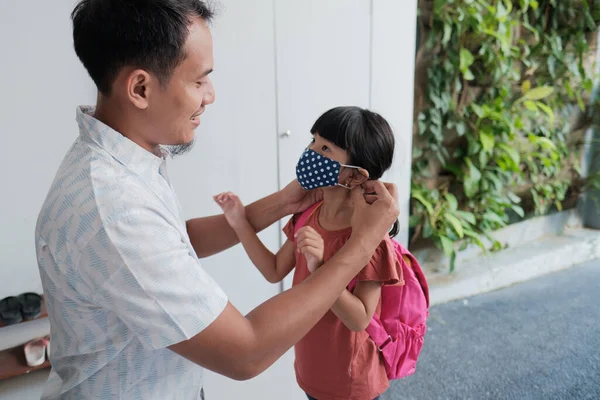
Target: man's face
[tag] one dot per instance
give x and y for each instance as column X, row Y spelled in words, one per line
column 174, row 109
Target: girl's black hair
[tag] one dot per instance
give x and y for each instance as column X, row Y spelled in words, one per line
column 365, row 135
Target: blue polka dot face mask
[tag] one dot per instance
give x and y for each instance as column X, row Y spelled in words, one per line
column 317, row 171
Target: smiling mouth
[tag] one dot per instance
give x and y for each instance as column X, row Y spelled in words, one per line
column 196, row 117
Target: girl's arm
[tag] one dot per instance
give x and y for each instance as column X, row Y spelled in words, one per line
column 274, row 267
column 356, row 309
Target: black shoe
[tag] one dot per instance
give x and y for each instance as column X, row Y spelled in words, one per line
column 10, row 311
column 31, row 305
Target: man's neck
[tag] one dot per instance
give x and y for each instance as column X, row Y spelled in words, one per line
column 112, row 114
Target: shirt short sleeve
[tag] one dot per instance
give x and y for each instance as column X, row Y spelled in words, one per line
column 384, row 266
column 144, row 270
column 289, row 228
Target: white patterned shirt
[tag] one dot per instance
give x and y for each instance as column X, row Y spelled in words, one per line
column 121, row 279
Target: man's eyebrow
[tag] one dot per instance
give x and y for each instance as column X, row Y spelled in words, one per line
column 205, row 73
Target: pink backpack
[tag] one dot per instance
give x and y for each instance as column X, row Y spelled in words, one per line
column 400, row 329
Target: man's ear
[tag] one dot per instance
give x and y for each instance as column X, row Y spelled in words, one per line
column 139, row 88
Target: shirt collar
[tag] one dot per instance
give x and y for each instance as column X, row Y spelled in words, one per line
column 118, row 146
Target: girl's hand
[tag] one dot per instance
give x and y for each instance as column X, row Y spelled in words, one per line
column 232, row 207
column 311, row 245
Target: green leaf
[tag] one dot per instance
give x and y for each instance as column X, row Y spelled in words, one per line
column 493, row 217
column 513, row 197
column 478, row 110
column 501, row 12
column 495, row 179
column 530, row 105
column 461, row 128
column 466, row 60
column 538, row 93
column 476, row 238
column 468, row 75
column 422, row 200
column 545, row 143
column 447, row 245
column 452, row 202
column 452, row 261
column 526, row 86
column 414, row 220
column 512, row 153
column 547, row 110
column 472, row 179
column 447, row 34
column 487, row 141
column 551, row 62
column 558, row 205
column 580, row 102
column 455, row 222
column 467, row 216
column 438, row 6
column 519, row 211
column 427, row 229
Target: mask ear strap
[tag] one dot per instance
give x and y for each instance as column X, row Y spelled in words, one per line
column 359, row 169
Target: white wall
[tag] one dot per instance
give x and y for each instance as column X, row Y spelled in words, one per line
column 238, row 134
column 41, row 82
column 392, row 88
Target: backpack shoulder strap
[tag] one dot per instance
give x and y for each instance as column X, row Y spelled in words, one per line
column 305, row 216
column 378, row 333
column 414, row 265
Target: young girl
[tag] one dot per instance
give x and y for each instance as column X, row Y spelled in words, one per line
column 336, row 360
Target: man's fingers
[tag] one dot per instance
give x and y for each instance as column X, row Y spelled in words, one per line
column 370, row 198
column 381, row 190
column 357, row 196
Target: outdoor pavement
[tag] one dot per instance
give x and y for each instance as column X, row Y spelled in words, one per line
column 535, row 340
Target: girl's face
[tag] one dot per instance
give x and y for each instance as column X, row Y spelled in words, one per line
column 325, row 148
column 348, row 176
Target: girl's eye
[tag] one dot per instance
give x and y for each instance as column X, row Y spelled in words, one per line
column 325, row 148
column 312, row 140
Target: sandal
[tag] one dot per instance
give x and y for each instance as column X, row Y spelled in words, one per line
column 47, row 347
column 31, row 305
column 35, row 352
column 10, row 311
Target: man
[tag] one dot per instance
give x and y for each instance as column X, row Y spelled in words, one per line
column 133, row 315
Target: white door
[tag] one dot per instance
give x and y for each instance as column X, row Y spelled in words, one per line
column 323, row 61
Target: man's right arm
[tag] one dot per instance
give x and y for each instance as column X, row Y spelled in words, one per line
column 242, row 347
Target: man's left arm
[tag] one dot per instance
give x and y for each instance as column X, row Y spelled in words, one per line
column 212, row 235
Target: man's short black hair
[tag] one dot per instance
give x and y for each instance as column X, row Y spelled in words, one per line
column 149, row 34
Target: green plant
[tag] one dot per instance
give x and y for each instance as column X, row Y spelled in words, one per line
column 495, row 122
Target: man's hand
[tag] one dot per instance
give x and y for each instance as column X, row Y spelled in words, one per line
column 232, row 207
column 375, row 210
column 295, row 199
column 310, row 244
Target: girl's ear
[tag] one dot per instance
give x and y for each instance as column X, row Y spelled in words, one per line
column 357, row 177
